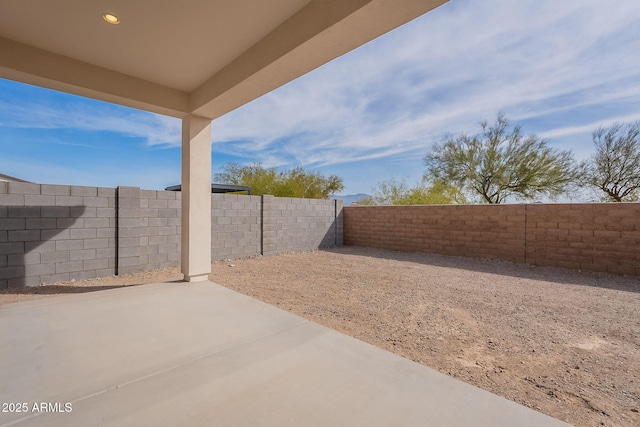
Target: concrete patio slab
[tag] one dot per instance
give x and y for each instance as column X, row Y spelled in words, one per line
column 199, row 354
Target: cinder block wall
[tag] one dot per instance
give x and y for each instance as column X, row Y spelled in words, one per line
column 245, row 226
column 236, row 225
column 596, row 237
column 295, row 225
column 160, row 220
column 52, row 233
column 466, row 230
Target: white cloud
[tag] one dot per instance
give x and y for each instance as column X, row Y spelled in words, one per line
column 590, row 127
column 445, row 72
column 89, row 115
column 41, row 171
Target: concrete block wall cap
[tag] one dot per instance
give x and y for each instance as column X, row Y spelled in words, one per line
column 148, row 194
column 23, row 188
column 128, row 192
column 106, row 192
column 84, row 191
column 55, row 190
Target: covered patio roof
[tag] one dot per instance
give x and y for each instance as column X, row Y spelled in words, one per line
column 194, row 59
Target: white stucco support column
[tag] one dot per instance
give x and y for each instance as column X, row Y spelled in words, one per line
column 196, row 198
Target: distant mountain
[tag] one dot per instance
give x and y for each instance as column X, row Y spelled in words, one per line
column 351, row 198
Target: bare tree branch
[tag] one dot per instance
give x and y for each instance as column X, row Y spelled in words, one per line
column 615, row 166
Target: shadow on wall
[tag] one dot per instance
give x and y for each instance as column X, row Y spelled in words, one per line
column 333, row 237
column 312, row 227
column 245, row 226
column 42, row 244
column 503, row 268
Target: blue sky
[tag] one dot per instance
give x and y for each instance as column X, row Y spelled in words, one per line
column 558, row 68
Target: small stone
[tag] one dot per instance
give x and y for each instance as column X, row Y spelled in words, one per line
column 232, row 265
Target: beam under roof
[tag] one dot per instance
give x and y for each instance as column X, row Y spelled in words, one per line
column 39, row 67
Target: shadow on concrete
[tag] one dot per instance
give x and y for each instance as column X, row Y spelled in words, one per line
column 28, row 232
column 503, row 268
column 59, row 289
column 54, row 289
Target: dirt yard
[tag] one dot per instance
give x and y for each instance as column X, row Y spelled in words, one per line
column 564, row 343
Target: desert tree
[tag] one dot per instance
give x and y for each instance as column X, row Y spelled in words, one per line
column 500, row 162
column 398, row 192
column 296, row 182
column 615, row 166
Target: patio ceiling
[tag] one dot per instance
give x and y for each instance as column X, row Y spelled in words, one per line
column 200, row 57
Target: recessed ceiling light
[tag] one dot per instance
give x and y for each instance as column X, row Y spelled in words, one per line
column 110, row 18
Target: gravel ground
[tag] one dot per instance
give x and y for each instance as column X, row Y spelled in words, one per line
column 562, row 342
